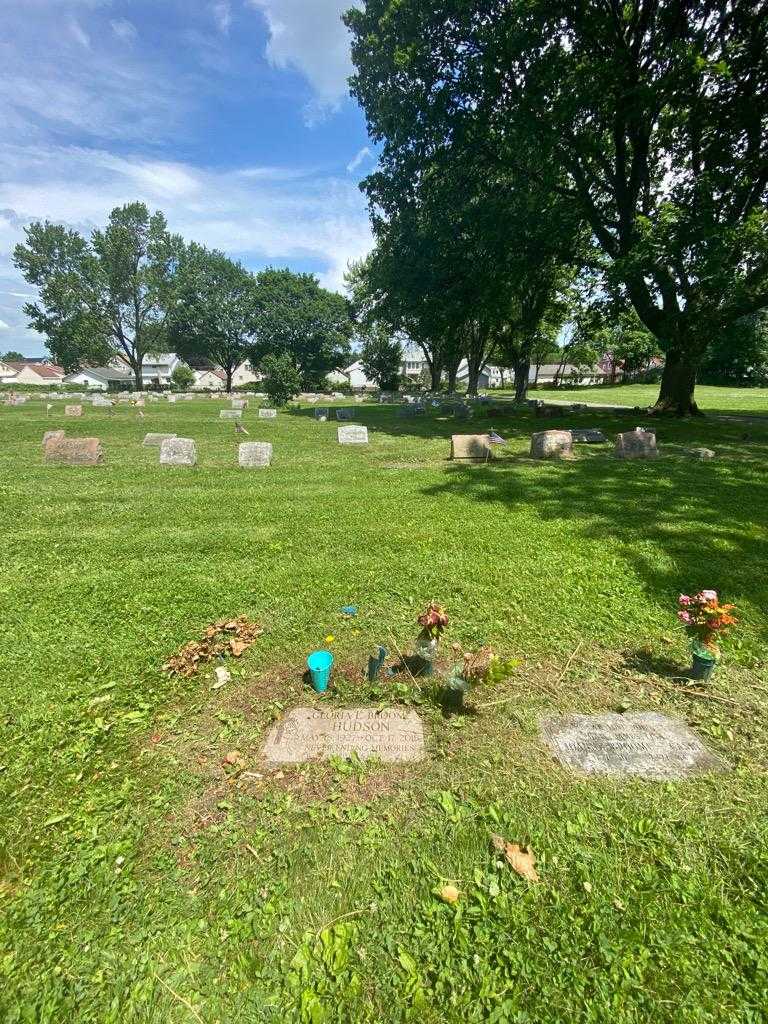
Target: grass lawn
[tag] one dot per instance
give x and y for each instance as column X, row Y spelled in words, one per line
column 748, row 401
column 142, row 881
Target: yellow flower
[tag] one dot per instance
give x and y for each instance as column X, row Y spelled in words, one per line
column 330, row 638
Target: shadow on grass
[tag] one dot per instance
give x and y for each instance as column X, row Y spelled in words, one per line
column 646, row 663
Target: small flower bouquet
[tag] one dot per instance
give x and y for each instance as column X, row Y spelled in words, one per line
column 705, row 620
column 432, row 621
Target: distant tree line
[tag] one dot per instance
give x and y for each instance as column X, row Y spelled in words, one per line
column 133, row 288
column 599, row 164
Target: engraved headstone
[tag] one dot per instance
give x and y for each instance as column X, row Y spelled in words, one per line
column 73, row 410
column 267, row 414
column 552, row 444
column 642, row 743
column 322, row 414
column 231, row 414
column 52, row 435
column 471, row 447
column 353, row 435
column 254, row 454
column 178, row 451
column 308, row 734
column 239, row 403
column 344, row 414
column 155, row 440
column 74, row 451
column 636, row 444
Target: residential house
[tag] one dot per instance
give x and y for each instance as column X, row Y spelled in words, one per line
column 100, row 378
column 209, row 379
column 33, row 371
column 355, row 374
column 337, row 377
column 7, row 373
column 245, row 374
column 567, row 373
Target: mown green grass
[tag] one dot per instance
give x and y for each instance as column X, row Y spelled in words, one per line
column 747, row 401
column 143, row 883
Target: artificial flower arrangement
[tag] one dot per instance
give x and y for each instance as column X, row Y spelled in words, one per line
column 433, row 622
column 483, row 666
column 705, row 620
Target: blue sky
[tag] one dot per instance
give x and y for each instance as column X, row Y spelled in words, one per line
column 231, row 116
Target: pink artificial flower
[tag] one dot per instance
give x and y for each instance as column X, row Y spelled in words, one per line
column 684, row 600
column 684, row 617
column 709, row 596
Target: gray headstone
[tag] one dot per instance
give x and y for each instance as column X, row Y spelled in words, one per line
column 353, row 435
column 52, row 435
column 155, row 440
column 700, row 453
column 636, row 444
column 344, row 414
column 471, row 447
column 308, row 734
column 239, row 403
column 552, row 444
column 73, row 410
column 643, row 743
column 588, row 436
column 322, row 414
column 267, row 414
column 231, row 414
column 254, row 454
column 178, row 451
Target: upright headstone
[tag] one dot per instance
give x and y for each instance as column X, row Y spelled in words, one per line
column 552, row 444
column 231, row 414
column 344, row 414
column 254, row 454
column 156, row 440
column 588, row 437
column 267, row 414
column 52, row 435
column 642, row 743
column 471, row 448
column 307, row 734
column 74, row 451
column 73, row 410
column 322, row 414
column 636, row 444
column 178, row 451
column 353, row 435
column 239, row 403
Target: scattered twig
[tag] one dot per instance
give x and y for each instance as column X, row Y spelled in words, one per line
column 695, row 693
column 251, row 850
column 572, row 655
column 181, row 999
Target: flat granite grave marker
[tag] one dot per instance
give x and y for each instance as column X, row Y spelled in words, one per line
column 239, row 403
column 74, row 451
column 309, row 734
column 640, row 743
column 178, row 451
column 254, row 454
column 155, row 440
column 471, row 447
column 231, row 414
column 267, row 414
column 73, row 410
column 353, row 435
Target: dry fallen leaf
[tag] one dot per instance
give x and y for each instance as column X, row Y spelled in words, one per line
column 216, row 642
column 237, row 647
column 449, row 894
column 233, row 757
column 519, row 858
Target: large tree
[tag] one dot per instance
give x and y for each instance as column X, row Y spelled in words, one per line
column 215, row 309
column 106, row 296
column 381, row 355
column 299, row 318
column 656, row 113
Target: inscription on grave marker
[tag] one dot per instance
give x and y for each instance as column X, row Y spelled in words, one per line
column 309, row 734
column 353, row 435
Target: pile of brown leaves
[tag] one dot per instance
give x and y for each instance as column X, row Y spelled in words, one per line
column 229, row 636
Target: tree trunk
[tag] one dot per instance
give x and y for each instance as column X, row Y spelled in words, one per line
column 678, row 382
column 522, row 371
column 435, row 375
column 228, row 371
column 501, row 378
column 536, row 373
column 138, row 376
column 452, row 374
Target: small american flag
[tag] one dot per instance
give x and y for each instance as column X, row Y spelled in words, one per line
column 48, row 408
column 140, row 414
column 494, row 438
column 240, row 429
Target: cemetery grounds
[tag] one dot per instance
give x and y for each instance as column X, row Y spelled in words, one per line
column 143, row 879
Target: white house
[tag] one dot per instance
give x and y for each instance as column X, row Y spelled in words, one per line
column 355, row 374
column 209, row 379
column 245, row 374
column 34, row 372
column 7, row 373
column 100, row 378
column 338, row 377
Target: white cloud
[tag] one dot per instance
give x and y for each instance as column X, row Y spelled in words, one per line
column 79, row 34
column 258, row 215
column 124, row 30
column 222, row 15
column 4, row 326
column 310, row 37
column 357, row 159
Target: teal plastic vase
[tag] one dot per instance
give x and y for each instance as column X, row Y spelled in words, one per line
column 319, row 664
